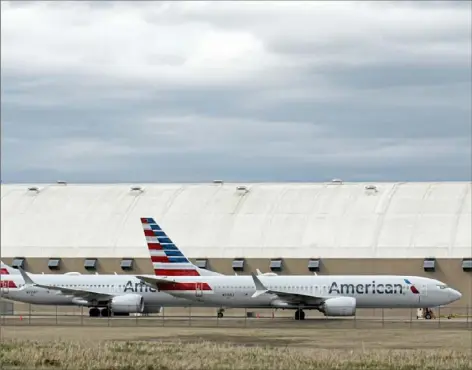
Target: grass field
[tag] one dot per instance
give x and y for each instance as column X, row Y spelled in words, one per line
column 213, row 348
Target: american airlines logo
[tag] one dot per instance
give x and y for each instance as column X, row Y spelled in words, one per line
column 372, row 288
column 138, row 288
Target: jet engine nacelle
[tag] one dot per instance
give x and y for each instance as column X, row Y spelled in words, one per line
column 129, row 303
column 339, row 306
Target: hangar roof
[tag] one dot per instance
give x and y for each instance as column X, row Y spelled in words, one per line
column 252, row 220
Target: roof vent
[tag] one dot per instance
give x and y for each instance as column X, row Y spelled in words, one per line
column 202, row 263
column 18, row 262
column 33, row 188
column 54, row 263
column 137, row 188
column 467, row 264
column 126, row 264
column 242, row 188
column 60, row 182
column 371, row 189
column 218, row 182
column 336, row 181
column 429, row 264
column 238, row 264
column 276, row 264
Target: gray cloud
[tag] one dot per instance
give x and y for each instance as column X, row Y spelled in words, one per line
column 197, row 91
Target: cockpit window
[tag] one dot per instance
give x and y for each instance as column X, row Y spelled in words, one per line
column 442, row 286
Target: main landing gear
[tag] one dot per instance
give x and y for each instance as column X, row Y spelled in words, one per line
column 220, row 313
column 96, row 312
column 299, row 315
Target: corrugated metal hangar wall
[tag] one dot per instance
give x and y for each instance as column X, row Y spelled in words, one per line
column 291, row 228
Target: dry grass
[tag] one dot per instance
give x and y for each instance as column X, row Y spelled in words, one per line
column 213, row 348
column 177, row 355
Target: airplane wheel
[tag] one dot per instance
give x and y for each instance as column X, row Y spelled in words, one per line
column 94, row 312
column 299, row 315
column 427, row 316
column 105, row 312
column 220, row 315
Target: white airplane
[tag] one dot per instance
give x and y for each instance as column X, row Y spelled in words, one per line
column 103, row 294
column 332, row 295
column 106, row 293
column 179, row 283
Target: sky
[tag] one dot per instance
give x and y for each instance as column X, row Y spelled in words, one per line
column 236, row 91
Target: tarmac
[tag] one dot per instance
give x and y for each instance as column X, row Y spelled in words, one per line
column 237, row 322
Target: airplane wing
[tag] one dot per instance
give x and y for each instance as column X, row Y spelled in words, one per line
column 88, row 295
column 286, row 296
column 80, row 293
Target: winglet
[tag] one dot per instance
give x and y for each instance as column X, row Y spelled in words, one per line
column 26, row 277
column 260, row 288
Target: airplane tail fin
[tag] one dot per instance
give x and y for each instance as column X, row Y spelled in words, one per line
column 167, row 259
column 7, row 270
column 8, row 278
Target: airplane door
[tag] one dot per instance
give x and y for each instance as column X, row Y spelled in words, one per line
column 198, row 290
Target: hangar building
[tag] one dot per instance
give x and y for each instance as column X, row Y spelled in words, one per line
column 289, row 228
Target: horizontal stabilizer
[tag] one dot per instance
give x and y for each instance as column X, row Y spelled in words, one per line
column 82, row 293
column 154, row 281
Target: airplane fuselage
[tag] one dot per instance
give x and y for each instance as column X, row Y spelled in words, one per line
column 370, row 291
column 116, row 285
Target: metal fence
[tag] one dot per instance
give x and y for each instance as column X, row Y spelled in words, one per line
column 442, row 318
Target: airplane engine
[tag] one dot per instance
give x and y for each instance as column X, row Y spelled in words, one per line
column 339, row 306
column 129, row 303
column 152, row 309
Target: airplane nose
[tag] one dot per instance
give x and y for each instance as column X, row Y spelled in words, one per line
column 455, row 295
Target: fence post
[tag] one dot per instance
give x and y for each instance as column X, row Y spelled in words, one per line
column 439, row 316
column 56, row 316
column 29, row 314
column 189, row 315
column 467, row 315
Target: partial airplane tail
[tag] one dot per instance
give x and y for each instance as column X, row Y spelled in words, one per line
column 7, row 270
column 167, row 259
column 8, row 275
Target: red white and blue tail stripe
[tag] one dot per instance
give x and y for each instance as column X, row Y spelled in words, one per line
column 167, row 259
